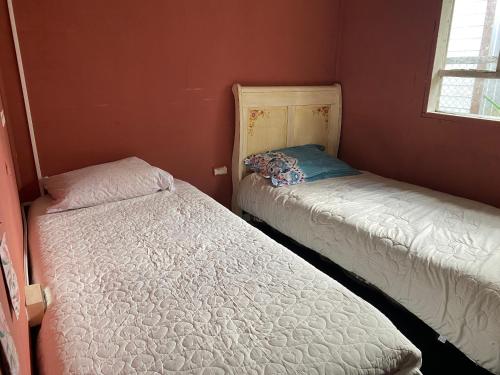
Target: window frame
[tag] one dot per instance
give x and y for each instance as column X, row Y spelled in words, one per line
column 439, row 70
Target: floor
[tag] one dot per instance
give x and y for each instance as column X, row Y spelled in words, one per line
column 438, row 358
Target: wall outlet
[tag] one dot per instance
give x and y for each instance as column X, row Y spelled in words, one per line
column 219, row 171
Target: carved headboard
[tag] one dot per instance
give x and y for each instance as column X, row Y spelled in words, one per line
column 268, row 118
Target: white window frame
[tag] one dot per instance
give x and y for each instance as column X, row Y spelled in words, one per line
column 439, row 71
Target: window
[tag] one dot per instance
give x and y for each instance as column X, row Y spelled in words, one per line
column 466, row 74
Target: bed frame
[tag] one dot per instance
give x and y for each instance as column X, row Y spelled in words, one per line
column 275, row 117
column 268, row 118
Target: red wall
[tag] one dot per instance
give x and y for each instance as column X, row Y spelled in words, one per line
column 385, row 57
column 14, row 107
column 109, row 79
column 11, row 224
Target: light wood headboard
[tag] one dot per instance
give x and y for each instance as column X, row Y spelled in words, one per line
column 269, row 118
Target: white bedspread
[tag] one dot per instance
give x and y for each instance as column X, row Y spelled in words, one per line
column 174, row 282
column 436, row 254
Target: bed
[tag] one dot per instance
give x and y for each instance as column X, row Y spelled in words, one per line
column 435, row 254
column 174, row 282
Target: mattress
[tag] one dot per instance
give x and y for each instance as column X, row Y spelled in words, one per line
column 174, row 282
column 437, row 255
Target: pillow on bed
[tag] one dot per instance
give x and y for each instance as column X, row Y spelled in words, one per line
column 294, row 165
column 104, row 183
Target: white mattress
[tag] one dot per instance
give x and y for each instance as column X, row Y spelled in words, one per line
column 436, row 254
column 174, row 282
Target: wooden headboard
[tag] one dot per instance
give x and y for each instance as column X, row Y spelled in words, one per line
column 269, row 118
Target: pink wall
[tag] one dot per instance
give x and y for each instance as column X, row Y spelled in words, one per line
column 109, row 79
column 11, row 224
column 385, row 56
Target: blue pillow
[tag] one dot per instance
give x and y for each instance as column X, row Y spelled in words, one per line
column 294, row 165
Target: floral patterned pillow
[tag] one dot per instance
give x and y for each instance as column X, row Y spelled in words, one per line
column 280, row 168
column 297, row 164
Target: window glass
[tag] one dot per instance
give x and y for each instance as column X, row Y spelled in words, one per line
column 473, row 44
column 474, row 35
column 472, row 96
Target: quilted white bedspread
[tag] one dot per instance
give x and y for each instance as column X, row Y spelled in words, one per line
column 438, row 255
column 174, row 282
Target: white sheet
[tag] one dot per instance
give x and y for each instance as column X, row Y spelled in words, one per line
column 436, row 254
column 175, row 282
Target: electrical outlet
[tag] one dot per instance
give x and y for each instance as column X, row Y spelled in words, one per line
column 219, row 171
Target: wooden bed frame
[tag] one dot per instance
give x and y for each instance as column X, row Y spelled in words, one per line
column 275, row 117
column 269, row 118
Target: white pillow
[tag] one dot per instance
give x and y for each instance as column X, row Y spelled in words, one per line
column 103, row 183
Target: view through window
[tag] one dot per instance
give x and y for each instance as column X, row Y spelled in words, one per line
column 465, row 75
